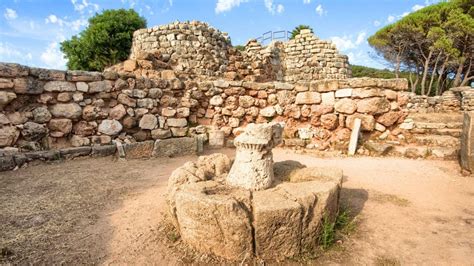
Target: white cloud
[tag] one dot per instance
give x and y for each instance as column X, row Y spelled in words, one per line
column 306, row 1
column 360, row 37
column 52, row 57
column 417, row 7
column 280, row 8
column 345, row 42
column 224, row 5
column 320, row 10
column 377, row 23
column 390, row 19
column 9, row 53
column 81, row 6
column 10, row 14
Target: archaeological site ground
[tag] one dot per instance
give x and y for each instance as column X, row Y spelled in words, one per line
column 192, row 151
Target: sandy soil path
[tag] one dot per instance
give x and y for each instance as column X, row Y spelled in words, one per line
column 103, row 211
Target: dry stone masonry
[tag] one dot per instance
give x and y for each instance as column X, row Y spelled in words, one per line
column 186, row 80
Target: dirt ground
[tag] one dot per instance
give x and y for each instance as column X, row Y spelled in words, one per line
column 104, row 211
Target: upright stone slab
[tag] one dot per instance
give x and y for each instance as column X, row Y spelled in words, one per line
column 354, row 136
column 467, row 142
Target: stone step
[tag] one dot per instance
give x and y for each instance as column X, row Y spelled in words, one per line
column 432, row 125
column 429, row 152
column 454, row 132
column 443, row 118
column 436, row 140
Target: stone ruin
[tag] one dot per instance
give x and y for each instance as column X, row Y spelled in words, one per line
column 253, row 206
column 185, row 81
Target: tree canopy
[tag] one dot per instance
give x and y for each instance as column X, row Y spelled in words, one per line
column 435, row 43
column 106, row 41
column 297, row 30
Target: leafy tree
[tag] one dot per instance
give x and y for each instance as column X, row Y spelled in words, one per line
column 106, row 41
column 435, row 44
column 297, row 30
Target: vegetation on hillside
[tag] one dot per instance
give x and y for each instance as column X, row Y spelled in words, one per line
column 435, row 43
column 105, row 42
column 297, row 30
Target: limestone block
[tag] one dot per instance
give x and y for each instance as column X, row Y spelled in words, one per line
column 345, row 106
column 389, row 118
column 59, row 127
column 277, row 225
column 368, row 121
column 215, row 219
column 375, row 105
column 177, row 122
column 467, row 142
column 308, row 98
column 174, row 147
column 110, row 127
column 41, row 115
column 328, row 98
column 148, row 121
column 8, row 136
column 268, row 111
column 66, row 110
column 100, row 86
column 59, row 86
column 343, row 93
column 6, row 98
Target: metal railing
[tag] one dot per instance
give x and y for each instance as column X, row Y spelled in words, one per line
column 270, row 36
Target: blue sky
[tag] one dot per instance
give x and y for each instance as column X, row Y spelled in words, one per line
column 31, row 30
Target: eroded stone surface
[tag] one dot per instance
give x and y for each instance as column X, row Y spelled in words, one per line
column 232, row 222
column 253, row 166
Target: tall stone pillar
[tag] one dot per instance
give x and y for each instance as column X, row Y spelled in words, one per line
column 253, row 165
column 467, row 142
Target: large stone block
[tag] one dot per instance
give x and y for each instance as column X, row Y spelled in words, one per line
column 174, row 147
column 66, row 110
column 59, row 86
column 309, row 97
column 214, row 220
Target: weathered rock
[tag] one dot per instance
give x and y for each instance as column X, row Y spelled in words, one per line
column 206, row 211
column 100, row 86
column 308, row 98
column 148, row 121
column 59, row 127
column 366, row 93
column 268, row 111
column 345, row 106
column 110, row 127
column 389, row 118
column 179, row 131
column 17, row 118
column 329, row 121
column 83, row 128
column 216, row 100
column 246, row 101
column 28, row 85
column 160, row 133
column 343, row 93
column 177, row 122
column 118, row 112
column 368, row 121
column 33, row 131
column 376, row 105
column 59, row 86
column 175, row 147
column 77, row 141
column 253, row 167
column 467, row 142
column 8, row 136
column 41, row 115
column 6, row 98
column 66, row 110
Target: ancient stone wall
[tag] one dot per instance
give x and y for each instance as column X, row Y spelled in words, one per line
column 453, row 100
column 44, row 109
column 196, row 49
column 189, row 47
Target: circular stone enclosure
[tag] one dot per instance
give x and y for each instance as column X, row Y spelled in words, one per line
column 231, row 222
